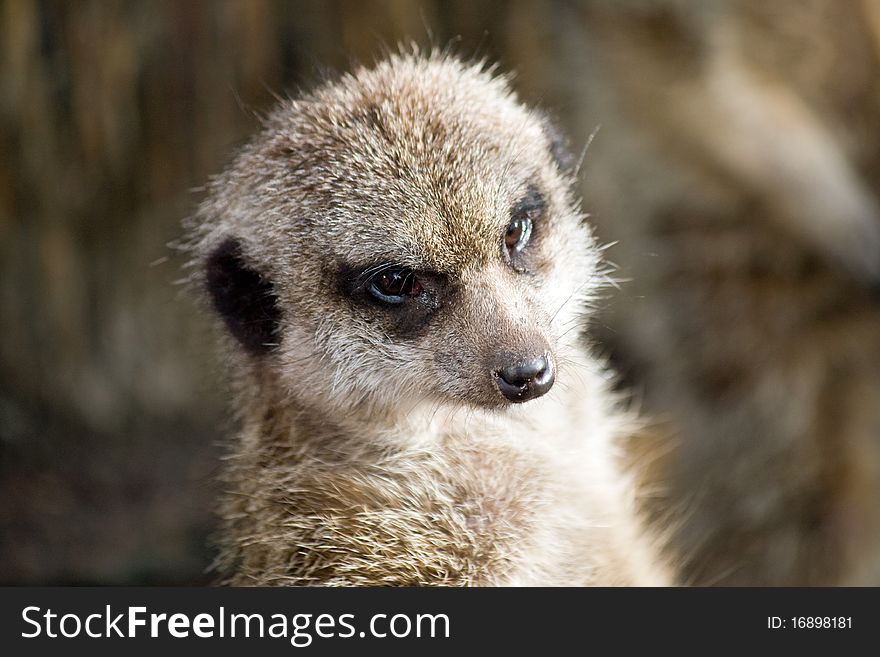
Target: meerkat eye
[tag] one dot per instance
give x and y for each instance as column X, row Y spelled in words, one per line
column 517, row 235
column 395, row 285
column 523, row 216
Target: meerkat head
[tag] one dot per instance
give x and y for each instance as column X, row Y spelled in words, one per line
column 404, row 233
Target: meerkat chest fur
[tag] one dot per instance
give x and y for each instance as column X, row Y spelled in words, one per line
column 441, row 495
column 401, row 270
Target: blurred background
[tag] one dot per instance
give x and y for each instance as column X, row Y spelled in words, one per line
column 736, row 168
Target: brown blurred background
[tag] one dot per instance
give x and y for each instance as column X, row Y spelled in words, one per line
column 113, row 113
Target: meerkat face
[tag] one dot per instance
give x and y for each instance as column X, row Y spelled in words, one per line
column 405, row 233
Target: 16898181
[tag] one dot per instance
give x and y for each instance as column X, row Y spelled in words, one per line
column 809, row 623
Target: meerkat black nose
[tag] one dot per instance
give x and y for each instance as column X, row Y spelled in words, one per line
column 521, row 382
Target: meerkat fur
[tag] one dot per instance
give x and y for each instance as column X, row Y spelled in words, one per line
column 375, row 447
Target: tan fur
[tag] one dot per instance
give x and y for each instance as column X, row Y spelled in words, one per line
column 369, row 455
column 738, row 166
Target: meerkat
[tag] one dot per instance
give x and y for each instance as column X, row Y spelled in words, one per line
column 401, row 271
column 737, row 168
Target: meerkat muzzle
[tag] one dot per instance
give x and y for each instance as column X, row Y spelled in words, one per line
column 527, row 380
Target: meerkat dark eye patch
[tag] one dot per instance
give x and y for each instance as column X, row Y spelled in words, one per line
column 402, row 299
column 245, row 300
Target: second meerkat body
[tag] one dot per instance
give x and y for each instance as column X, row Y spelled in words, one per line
column 402, row 270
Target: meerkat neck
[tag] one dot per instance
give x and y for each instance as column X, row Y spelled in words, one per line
column 272, row 415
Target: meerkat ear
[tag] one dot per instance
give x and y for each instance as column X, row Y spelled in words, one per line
column 559, row 147
column 245, row 300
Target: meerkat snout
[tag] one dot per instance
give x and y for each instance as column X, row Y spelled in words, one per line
column 521, row 381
